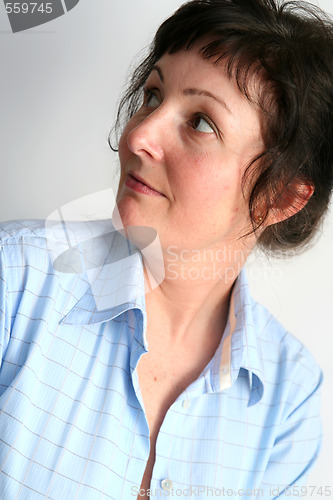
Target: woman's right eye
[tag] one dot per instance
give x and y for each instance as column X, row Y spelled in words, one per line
column 151, row 100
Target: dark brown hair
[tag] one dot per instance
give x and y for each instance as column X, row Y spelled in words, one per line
column 289, row 46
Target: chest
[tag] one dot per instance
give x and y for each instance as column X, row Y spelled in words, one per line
column 161, row 381
column 163, row 377
column 87, row 428
column 158, row 393
column 202, row 426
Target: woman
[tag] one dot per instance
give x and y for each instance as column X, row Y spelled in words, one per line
column 229, row 147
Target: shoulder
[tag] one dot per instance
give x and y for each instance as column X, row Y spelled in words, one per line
column 20, row 229
column 25, row 263
column 287, row 363
column 31, row 286
column 23, row 244
column 33, row 252
column 21, row 238
column 277, row 353
column 26, row 240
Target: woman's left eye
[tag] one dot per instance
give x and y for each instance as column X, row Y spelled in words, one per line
column 202, row 125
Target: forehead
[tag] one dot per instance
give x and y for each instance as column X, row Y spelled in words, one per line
column 190, row 66
column 188, row 69
column 191, row 63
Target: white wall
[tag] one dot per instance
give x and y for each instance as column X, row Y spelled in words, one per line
column 58, row 91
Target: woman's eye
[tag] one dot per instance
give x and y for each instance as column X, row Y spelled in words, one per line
column 202, row 125
column 151, row 100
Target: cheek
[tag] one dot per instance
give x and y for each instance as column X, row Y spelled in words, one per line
column 234, row 215
column 209, row 180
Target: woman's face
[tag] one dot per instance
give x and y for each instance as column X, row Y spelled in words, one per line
column 183, row 155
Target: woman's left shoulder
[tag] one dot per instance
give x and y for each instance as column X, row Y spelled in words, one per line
column 281, row 352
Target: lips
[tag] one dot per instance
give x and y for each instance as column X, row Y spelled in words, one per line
column 137, row 183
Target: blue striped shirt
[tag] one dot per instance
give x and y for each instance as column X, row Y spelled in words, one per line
column 72, row 422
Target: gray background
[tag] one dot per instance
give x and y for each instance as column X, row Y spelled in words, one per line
column 59, row 87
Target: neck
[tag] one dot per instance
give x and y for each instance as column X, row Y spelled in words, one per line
column 193, row 299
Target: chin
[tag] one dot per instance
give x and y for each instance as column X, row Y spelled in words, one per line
column 127, row 213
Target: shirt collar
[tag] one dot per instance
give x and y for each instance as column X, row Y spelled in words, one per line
column 117, row 284
column 239, row 347
column 113, row 267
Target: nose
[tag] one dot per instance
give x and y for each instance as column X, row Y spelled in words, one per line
column 146, row 139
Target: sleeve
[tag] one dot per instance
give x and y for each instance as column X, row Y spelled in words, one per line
column 4, row 316
column 296, row 447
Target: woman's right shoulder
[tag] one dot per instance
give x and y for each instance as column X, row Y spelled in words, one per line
column 33, row 252
column 30, row 283
column 11, row 231
column 23, row 243
column 25, row 274
column 25, row 263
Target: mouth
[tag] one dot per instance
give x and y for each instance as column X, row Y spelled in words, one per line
column 139, row 185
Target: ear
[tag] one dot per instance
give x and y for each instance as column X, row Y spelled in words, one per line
column 291, row 200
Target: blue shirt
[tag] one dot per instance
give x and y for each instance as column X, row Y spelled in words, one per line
column 72, row 422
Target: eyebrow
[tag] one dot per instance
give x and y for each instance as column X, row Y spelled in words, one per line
column 159, row 71
column 194, row 91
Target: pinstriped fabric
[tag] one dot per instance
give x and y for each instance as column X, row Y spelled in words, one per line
column 72, row 425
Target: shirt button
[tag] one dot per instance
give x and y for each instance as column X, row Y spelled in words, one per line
column 186, row 403
column 166, row 484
